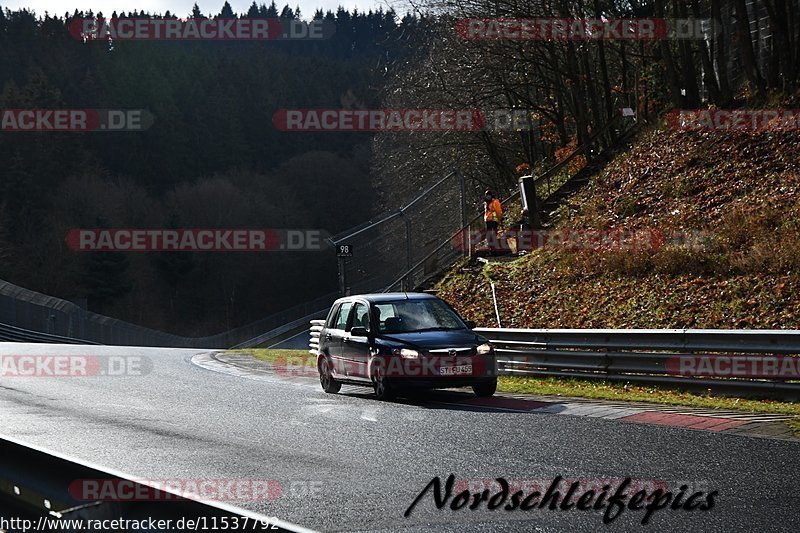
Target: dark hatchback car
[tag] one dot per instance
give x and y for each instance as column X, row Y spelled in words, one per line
column 399, row 341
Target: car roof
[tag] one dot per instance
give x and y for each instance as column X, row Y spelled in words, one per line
column 388, row 297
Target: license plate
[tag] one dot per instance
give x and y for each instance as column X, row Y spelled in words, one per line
column 456, row 370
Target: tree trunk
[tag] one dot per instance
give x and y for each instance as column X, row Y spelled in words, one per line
column 689, row 70
column 709, row 78
column 719, row 37
column 745, row 44
column 609, row 104
column 781, row 60
column 669, row 64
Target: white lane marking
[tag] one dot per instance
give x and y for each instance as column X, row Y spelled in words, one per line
column 125, row 406
column 321, row 409
column 371, row 414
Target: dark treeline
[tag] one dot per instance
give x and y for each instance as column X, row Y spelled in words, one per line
column 212, row 158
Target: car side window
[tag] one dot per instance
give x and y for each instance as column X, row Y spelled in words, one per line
column 382, row 312
column 330, row 323
column 360, row 317
column 344, row 311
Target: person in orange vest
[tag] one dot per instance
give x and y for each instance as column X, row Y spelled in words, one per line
column 493, row 216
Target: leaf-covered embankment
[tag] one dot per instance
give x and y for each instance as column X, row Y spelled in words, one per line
column 740, row 191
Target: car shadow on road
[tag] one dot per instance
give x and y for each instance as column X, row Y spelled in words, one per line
column 458, row 400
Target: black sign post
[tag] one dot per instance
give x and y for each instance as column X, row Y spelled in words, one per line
column 343, row 251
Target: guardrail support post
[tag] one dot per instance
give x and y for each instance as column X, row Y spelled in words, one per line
column 606, row 361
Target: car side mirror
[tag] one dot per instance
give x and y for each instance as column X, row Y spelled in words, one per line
column 359, row 331
column 470, row 324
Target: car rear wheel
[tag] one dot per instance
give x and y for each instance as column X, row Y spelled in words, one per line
column 329, row 385
column 485, row 388
column 384, row 389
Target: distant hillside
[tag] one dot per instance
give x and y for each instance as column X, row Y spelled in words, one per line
column 212, row 158
column 741, row 190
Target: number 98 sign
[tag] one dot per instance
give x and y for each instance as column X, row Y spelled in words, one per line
column 344, row 250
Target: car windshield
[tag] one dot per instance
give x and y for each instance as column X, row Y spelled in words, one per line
column 405, row 316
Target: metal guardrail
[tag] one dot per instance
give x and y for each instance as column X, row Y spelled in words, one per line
column 274, row 333
column 643, row 356
column 52, row 492
column 635, row 355
column 15, row 334
column 28, row 316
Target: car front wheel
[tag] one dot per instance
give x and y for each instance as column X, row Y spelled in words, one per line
column 383, row 388
column 329, row 385
column 485, row 388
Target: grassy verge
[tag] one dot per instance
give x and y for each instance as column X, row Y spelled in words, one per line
column 262, row 354
column 601, row 390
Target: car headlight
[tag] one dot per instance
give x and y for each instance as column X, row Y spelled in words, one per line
column 485, row 349
column 406, row 353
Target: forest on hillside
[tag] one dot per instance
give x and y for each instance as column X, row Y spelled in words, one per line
column 742, row 53
column 211, row 159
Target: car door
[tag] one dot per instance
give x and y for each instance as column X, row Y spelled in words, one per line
column 355, row 349
column 334, row 335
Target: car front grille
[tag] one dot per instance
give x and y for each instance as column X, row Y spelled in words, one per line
column 461, row 351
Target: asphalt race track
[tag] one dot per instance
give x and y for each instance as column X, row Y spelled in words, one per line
column 350, row 463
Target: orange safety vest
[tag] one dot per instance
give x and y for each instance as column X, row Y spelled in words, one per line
column 494, row 211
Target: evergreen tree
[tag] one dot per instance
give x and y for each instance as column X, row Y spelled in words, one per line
column 252, row 13
column 196, row 13
column 104, row 279
column 104, row 276
column 287, row 12
column 227, row 11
